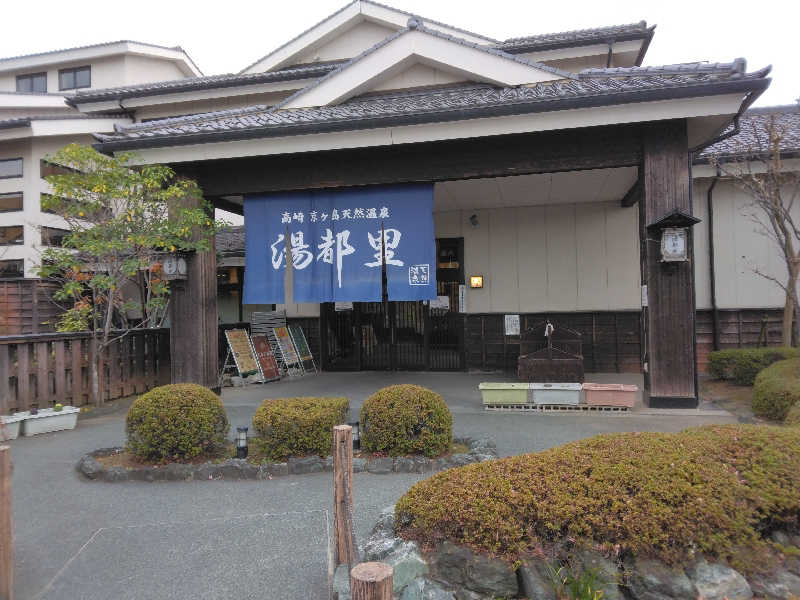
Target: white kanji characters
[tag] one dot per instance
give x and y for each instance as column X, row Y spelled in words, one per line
column 324, row 217
column 342, row 248
column 298, row 216
column 384, row 214
column 391, row 239
column 358, row 213
column 278, row 251
column 286, row 218
column 301, row 255
column 372, row 213
column 313, row 216
column 334, row 215
column 345, row 213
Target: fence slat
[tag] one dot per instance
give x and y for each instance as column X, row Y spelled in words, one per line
column 5, row 388
column 23, row 377
column 114, row 372
column 76, row 349
column 59, row 372
column 139, row 365
column 127, row 377
column 43, row 374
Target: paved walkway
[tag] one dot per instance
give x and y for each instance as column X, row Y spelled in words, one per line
column 242, row 539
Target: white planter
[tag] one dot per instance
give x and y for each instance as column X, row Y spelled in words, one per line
column 47, row 420
column 13, row 422
column 556, row 393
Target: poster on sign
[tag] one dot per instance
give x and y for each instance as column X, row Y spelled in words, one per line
column 286, row 346
column 266, row 358
column 242, row 351
column 339, row 242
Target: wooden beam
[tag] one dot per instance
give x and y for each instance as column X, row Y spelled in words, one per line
column 6, row 527
column 371, row 581
column 495, row 156
column 633, row 195
column 223, row 204
column 344, row 545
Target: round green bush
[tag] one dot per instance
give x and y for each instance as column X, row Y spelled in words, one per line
column 793, row 416
column 179, row 421
column 299, row 426
column 718, row 490
column 742, row 365
column 777, row 389
column 406, row 419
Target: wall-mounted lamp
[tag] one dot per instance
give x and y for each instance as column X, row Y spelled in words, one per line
column 476, row 281
column 473, row 220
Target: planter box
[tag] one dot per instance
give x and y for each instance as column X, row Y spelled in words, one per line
column 47, row 420
column 13, row 423
column 610, row 394
column 556, row 393
column 504, row 393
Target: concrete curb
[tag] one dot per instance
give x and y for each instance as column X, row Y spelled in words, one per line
column 481, row 449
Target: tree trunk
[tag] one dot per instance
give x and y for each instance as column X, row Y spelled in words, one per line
column 788, row 308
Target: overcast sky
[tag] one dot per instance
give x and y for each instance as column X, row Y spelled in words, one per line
column 223, row 37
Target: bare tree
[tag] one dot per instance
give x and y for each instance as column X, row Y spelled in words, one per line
column 755, row 162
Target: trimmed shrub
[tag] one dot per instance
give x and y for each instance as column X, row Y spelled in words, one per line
column 743, row 364
column 179, row 421
column 299, row 426
column 406, row 419
column 716, row 490
column 793, row 416
column 777, row 389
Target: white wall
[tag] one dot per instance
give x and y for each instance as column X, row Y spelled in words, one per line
column 175, row 109
column 144, row 69
column 348, row 44
column 567, row 257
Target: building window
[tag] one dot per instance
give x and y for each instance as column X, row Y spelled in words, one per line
column 12, row 236
column 72, row 79
column 12, row 268
column 11, row 202
column 52, row 236
column 10, row 167
column 48, row 168
column 35, row 82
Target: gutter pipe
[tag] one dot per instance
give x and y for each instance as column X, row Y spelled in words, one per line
column 711, row 268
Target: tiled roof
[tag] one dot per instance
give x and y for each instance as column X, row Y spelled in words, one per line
column 26, row 121
column 738, row 66
column 230, row 240
column 189, row 84
column 176, row 48
column 753, row 137
column 578, row 37
column 441, row 104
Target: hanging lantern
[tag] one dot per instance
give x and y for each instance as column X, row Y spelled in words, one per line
column 241, row 442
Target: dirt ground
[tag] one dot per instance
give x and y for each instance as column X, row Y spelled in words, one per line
column 736, row 399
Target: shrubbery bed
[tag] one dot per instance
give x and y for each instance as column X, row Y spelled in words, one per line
column 299, row 426
column 777, row 389
column 406, row 419
column 179, row 421
column 743, row 364
column 793, row 416
column 715, row 490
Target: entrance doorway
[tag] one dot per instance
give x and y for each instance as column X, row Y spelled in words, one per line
column 404, row 335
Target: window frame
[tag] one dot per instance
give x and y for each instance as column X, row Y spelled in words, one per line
column 31, row 76
column 12, row 194
column 45, row 229
column 73, row 71
column 21, row 241
column 56, row 169
column 19, row 274
column 21, row 167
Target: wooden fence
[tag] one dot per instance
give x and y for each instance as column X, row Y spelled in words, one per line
column 41, row 370
column 26, row 307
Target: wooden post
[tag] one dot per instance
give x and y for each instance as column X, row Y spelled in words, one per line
column 6, row 529
column 343, row 542
column 371, row 581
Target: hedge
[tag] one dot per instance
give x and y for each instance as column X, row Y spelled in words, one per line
column 793, row 416
column 179, row 421
column 777, row 389
column 406, row 419
column 743, row 364
column 299, row 426
column 717, row 490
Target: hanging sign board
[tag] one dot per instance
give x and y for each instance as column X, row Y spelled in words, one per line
column 462, row 298
column 342, row 306
column 286, row 345
column 266, row 358
column 300, row 342
column 339, row 243
column 242, row 350
column 441, row 302
column 512, row 324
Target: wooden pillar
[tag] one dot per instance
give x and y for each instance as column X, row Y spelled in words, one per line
column 670, row 380
column 6, row 527
column 371, row 581
column 343, row 542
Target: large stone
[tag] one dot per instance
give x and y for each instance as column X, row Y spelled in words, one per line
column 378, row 547
column 652, row 580
column 423, row 588
column 341, row 583
column 407, row 563
column 484, row 457
column 536, row 581
column 114, row 474
column 380, row 466
column 792, row 564
column 482, row 442
column 780, row 585
column 478, row 573
column 178, row 472
column 449, row 560
column 307, row 464
column 231, row 469
column 327, row 465
column 404, row 465
column 278, row 469
column 359, row 465
column 459, row 460
column 90, row 467
column 716, row 582
column 605, row 569
column 385, row 522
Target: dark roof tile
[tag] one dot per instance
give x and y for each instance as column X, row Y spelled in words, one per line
column 577, row 37
column 753, row 127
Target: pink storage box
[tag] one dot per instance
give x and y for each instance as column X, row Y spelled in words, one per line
column 610, row 394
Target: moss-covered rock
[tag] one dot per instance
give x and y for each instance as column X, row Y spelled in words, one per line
column 298, row 426
column 179, row 421
column 741, row 365
column 715, row 490
column 777, row 389
column 406, row 419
